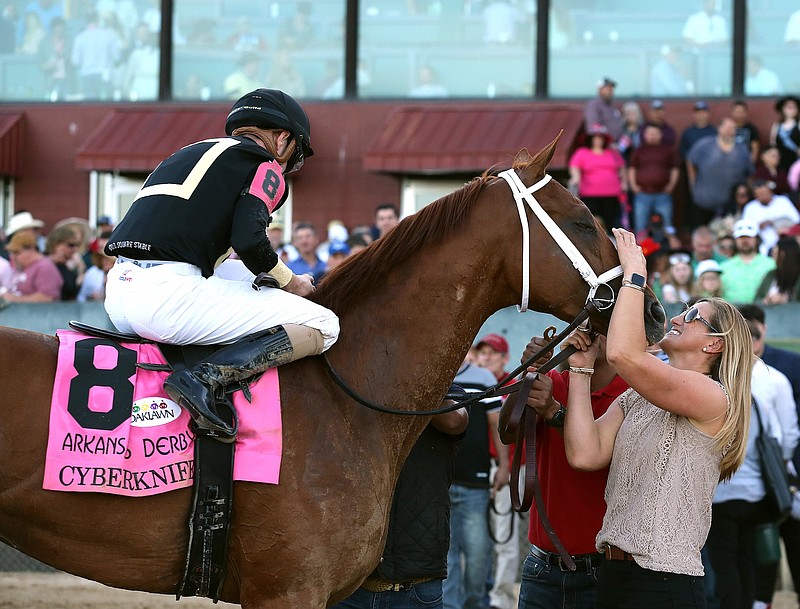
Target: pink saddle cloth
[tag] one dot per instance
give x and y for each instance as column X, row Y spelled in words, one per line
column 113, row 429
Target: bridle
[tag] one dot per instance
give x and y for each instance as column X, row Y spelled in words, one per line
column 524, row 195
column 521, row 194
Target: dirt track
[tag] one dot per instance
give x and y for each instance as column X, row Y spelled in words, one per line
column 60, row 591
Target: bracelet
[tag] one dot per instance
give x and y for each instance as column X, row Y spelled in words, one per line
column 586, row 371
column 629, row 284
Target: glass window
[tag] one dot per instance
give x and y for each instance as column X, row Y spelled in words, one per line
column 650, row 49
column 227, row 48
column 86, row 51
column 773, row 42
column 446, row 48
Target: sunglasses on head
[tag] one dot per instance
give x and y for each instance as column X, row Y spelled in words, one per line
column 693, row 314
column 679, row 259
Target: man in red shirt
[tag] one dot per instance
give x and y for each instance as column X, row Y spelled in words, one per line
column 574, row 500
column 653, row 171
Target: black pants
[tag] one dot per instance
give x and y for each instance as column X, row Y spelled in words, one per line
column 625, row 585
column 730, row 548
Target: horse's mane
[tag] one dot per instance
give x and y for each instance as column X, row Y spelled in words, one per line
column 357, row 275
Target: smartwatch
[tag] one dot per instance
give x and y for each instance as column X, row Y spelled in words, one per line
column 638, row 280
column 558, row 418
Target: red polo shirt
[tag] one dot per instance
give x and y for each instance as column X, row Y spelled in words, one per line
column 574, row 500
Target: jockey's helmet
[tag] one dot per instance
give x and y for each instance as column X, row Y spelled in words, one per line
column 274, row 109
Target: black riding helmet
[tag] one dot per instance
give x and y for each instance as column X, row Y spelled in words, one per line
column 274, row 109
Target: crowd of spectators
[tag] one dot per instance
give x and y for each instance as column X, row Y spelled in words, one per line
column 736, row 187
column 67, row 264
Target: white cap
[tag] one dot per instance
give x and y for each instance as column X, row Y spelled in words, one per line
column 744, row 228
column 707, row 266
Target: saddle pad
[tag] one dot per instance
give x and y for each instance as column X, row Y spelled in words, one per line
column 113, row 429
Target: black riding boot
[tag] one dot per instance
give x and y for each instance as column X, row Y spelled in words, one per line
column 197, row 388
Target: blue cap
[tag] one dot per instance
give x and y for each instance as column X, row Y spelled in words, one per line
column 338, row 247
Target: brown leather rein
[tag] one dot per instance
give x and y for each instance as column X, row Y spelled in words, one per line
column 518, row 425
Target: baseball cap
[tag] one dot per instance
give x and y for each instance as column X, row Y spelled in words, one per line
column 338, row 247
column 707, row 266
column 700, row 105
column 794, row 231
column 743, row 228
column 657, row 104
column 104, row 220
column 495, row 341
column 758, row 183
column 606, row 82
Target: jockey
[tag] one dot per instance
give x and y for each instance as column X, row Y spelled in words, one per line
column 174, row 282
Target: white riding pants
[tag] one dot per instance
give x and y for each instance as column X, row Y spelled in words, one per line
column 173, row 303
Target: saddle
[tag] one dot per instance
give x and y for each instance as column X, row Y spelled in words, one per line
column 210, row 515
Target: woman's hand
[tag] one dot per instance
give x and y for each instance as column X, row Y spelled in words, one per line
column 630, row 254
column 586, row 354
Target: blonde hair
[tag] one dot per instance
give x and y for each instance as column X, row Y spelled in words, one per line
column 733, row 369
column 269, row 137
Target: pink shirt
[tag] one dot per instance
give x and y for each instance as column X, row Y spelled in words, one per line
column 599, row 172
column 42, row 276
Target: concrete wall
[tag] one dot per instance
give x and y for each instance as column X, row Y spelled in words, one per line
column 783, row 322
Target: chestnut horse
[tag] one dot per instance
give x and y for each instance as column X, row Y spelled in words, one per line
column 409, row 305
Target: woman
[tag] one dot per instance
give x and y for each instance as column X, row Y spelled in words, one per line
column 781, row 284
column 62, row 247
column 597, row 174
column 785, row 132
column 679, row 430
column 632, row 121
column 677, row 283
column 769, row 168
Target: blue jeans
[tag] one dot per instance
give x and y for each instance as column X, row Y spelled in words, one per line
column 547, row 587
column 427, row 595
column 470, row 555
column 645, row 204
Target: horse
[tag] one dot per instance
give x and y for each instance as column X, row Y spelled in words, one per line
column 410, row 305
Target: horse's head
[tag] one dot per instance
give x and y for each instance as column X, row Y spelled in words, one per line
column 566, row 242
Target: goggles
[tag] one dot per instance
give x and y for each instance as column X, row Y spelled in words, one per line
column 297, row 159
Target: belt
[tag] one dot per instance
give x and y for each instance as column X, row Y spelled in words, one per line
column 375, row 584
column 583, row 562
column 145, row 264
column 615, row 553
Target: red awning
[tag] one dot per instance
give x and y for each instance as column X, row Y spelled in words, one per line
column 138, row 140
column 453, row 138
column 12, row 131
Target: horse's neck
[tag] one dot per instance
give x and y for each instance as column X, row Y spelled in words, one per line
column 410, row 335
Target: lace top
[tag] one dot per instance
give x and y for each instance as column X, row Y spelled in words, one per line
column 660, row 488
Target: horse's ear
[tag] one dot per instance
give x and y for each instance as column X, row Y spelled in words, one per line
column 523, row 158
column 545, row 155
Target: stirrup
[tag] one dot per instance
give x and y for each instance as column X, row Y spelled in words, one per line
column 206, row 421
